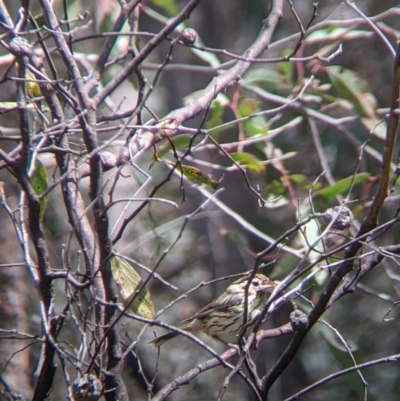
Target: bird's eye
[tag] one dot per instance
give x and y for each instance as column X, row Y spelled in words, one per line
column 255, row 283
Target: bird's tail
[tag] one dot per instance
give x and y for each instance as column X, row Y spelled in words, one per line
column 157, row 342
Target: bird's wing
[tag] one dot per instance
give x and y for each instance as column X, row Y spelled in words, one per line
column 222, row 303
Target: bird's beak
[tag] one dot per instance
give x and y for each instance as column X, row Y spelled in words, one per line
column 268, row 287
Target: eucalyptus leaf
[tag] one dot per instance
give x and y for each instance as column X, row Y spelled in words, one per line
column 131, row 289
column 354, row 89
column 197, row 176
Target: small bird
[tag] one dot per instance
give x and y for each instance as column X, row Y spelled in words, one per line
column 222, row 318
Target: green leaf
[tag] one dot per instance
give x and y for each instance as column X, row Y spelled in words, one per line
column 248, row 106
column 32, row 86
column 341, row 186
column 376, row 125
column 256, row 126
column 197, row 176
column 168, row 6
column 40, row 184
column 352, row 88
column 249, row 160
column 217, row 111
column 302, row 181
column 270, row 79
column 130, row 287
column 276, row 188
column 221, row 99
column 287, row 70
column 214, row 122
column 335, row 33
column 40, row 21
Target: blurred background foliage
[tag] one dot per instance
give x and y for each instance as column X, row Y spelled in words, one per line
column 354, row 87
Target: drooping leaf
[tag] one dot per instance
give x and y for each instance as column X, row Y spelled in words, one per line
column 130, row 286
column 197, row 176
column 40, row 184
column 349, row 86
column 352, row 88
column 192, row 173
column 341, row 187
